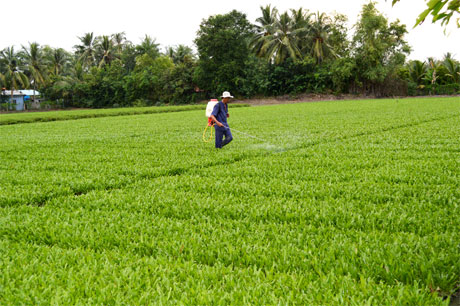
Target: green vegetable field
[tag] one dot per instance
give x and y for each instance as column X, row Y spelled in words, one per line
column 334, row 203
column 15, row 118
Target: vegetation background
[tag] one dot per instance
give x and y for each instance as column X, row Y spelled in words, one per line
column 283, row 53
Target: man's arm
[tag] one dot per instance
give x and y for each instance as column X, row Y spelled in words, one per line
column 215, row 120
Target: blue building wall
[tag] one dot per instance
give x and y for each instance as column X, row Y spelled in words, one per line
column 19, row 105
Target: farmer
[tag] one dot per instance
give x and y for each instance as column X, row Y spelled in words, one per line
column 219, row 115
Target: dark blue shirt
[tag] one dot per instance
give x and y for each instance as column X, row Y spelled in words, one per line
column 220, row 112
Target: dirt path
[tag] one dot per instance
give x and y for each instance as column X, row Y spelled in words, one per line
column 318, row 98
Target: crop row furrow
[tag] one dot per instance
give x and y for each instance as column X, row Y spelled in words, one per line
column 41, row 200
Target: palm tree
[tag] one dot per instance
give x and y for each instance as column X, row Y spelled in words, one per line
column 319, row 33
column 105, row 47
column 417, row 71
column 301, row 27
column 279, row 37
column 284, row 42
column 179, row 53
column 148, row 46
column 301, row 18
column 62, row 84
column 448, row 55
column 170, row 52
column 58, row 60
column 77, row 71
column 35, row 64
column 278, row 41
column 13, row 75
column 119, row 40
column 265, row 28
column 87, row 49
column 453, row 67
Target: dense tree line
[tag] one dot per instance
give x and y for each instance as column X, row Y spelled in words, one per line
column 291, row 52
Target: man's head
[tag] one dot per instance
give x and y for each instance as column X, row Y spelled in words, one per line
column 226, row 96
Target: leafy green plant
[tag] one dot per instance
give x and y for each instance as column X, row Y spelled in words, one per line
column 348, row 203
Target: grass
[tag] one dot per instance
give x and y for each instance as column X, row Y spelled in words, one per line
column 16, row 118
column 350, row 202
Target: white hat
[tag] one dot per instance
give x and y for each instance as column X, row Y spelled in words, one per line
column 226, row 94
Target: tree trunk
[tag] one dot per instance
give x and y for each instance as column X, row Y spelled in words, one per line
column 11, row 100
column 33, row 94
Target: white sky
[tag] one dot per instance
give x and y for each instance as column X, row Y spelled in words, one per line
column 58, row 22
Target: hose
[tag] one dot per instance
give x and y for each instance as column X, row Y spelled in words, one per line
column 204, row 133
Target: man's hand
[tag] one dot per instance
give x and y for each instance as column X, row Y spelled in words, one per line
column 219, row 124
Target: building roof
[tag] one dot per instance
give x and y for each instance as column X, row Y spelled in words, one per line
column 29, row 92
column 15, row 93
column 22, row 92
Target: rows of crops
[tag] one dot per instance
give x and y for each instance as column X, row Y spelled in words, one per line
column 345, row 203
column 29, row 117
